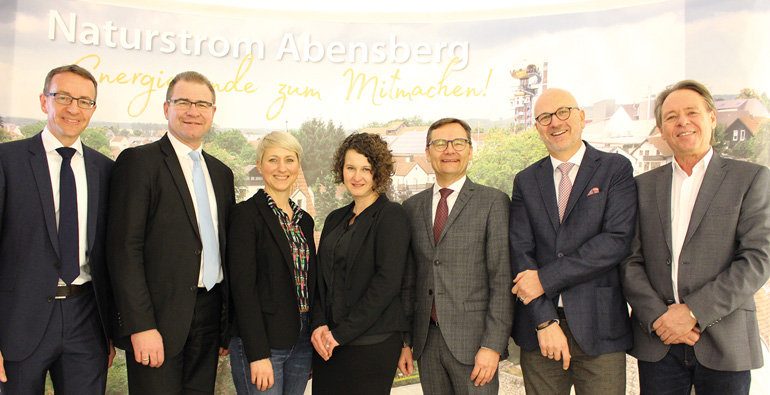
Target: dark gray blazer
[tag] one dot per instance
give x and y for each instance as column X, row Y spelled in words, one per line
column 467, row 272
column 725, row 259
column 29, row 246
column 577, row 259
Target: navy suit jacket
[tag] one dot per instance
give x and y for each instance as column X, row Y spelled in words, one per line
column 29, row 246
column 578, row 258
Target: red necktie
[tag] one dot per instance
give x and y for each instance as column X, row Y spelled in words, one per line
column 442, row 212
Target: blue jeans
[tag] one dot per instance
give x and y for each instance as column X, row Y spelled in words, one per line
column 679, row 370
column 291, row 366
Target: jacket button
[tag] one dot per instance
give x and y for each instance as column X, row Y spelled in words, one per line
column 560, row 255
column 197, row 252
column 57, row 266
column 668, row 262
column 685, row 263
column 193, row 288
column 436, row 263
column 430, row 292
column 50, row 299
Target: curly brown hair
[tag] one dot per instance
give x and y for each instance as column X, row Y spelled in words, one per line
column 376, row 151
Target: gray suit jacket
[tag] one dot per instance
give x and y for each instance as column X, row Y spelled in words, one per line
column 725, row 259
column 467, row 272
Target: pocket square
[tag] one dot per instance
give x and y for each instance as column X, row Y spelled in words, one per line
column 593, row 191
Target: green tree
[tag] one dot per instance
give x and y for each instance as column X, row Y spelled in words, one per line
column 761, row 144
column 234, row 163
column 326, row 201
column 4, row 134
column 720, row 141
column 138, row 133
column 231, row 140
column 504, row 154
column 32, row 129
column 97, row 139
column 319, row 141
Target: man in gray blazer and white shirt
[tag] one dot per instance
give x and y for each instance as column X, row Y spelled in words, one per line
column 701, row 251
column 457, row 286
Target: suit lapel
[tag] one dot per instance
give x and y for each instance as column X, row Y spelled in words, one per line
column 39, row 163
column 715, row 173
column 663, row 196
column 364, row 224
column 92, row 180
column 274, row 225
column 586, row 171
column 327, row 270
column 462, row 199
column 548, row 190
column 426, row 210
column 172, row 162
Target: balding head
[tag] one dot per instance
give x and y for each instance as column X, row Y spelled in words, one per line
column 564, row 123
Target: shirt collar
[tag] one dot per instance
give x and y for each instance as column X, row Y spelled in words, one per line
column 455, row 187
column 51, row 143
column 181, row 148
column 699, row 167
column 577, row 159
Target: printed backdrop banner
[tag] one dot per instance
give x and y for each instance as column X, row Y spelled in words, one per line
column 274, row 70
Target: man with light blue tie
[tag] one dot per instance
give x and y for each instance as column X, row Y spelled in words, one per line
column 166, row 243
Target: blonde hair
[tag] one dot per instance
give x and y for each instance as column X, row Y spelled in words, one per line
column 281, row 140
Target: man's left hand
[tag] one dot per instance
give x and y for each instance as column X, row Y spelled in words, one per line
column 674, row 324
column 111, row 356
column 528, row 287
column 486, row 366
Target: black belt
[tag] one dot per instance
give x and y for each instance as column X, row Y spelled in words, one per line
column 66, row 291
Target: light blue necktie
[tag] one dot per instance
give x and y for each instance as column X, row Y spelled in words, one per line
column 205, row 224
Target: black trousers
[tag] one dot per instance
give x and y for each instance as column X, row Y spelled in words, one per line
column 354, row 370
column 73, row 350
column 192, row 371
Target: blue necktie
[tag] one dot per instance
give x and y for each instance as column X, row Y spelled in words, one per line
column 69, row 268
column 205, row 224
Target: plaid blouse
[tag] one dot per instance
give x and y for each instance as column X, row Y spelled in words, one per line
column 299, row 248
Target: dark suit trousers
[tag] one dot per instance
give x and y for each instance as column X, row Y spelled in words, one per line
column 73, row 349
column 192, row 371
column 601, row 374
column 680, row 370
column 441, row 373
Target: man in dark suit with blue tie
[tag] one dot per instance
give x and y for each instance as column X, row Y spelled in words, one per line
column 55, row 295
column 571, row 224
column 166, row 243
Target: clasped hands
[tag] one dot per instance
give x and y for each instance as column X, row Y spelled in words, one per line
column 323, row 342
column 677, row 326
column 527, row 286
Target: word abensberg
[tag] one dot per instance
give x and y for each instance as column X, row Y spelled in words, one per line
column 305, row 50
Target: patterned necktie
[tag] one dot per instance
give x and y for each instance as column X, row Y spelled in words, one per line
column 565, row 187
column 205, row 224
column 69, row 268
column 442, row 212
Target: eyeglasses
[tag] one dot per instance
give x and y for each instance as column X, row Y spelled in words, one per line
column 66, row 100
column 440, row 145
column 184, row 104
column 562, row 113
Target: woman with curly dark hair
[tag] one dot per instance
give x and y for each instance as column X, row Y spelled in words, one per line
column 357, row 317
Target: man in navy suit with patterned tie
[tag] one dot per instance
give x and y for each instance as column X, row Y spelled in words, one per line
column 571, row 224
column 55, row 295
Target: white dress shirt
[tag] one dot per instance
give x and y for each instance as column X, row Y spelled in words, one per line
column 450, row 200
column 684, row 191
column 576, row 159
column 50, row 144
column 183, row 153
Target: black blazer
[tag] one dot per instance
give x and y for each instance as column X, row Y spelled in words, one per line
column 374, row 277
column 153, row 244
column 261, row 268
column 29, row 246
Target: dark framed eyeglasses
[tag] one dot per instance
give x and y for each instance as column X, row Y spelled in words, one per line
column 441, row 144
column 66, row 100
column 562, row 113
column 185, row 104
